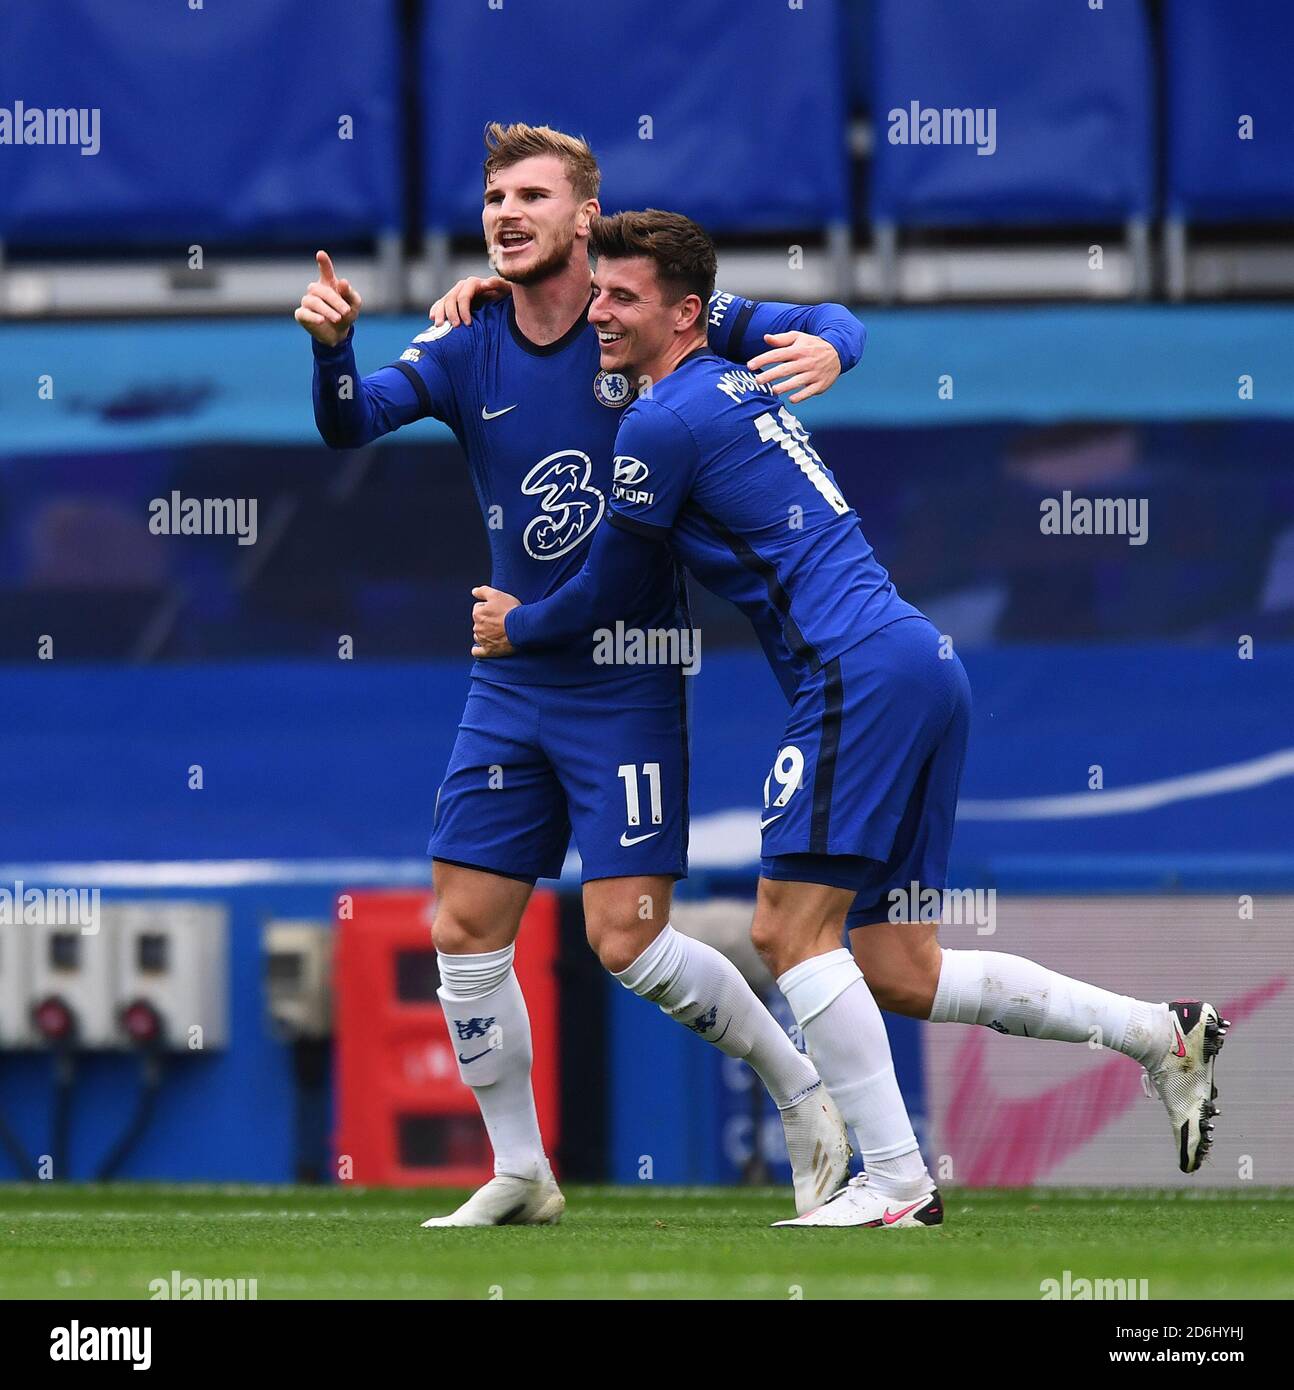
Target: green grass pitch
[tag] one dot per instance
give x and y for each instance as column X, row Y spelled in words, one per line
column 340, row 1243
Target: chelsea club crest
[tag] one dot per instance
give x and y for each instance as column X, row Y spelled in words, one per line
column 612, row 389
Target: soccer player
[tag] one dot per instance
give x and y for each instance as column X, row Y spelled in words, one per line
column 862, row 792
column 554, row 741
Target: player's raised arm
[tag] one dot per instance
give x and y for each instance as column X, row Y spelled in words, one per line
column 799, row 348
column 351, row 410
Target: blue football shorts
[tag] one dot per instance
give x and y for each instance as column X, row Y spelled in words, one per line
column 606, row 760
column 863, row 790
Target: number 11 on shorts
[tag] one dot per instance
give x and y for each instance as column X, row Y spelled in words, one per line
column 628, row 773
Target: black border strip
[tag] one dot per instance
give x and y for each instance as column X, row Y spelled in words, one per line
column 531, row 879
column 739, row 325
column 777, row 595
column 547, row 349
column 639, row 528
column 419, row 386
column 824, row 776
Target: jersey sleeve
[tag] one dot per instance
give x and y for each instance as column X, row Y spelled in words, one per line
column 617, row 581
column 351, row 410
column 736, row 327
column 654, row 468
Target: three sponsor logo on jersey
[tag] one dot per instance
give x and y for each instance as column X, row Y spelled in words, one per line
column 569, row 505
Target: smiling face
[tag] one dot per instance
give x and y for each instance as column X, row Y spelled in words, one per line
column 636, row 321
column 533, row 220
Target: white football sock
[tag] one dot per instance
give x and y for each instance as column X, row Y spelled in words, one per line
column 847, row 1040
column 704, row 991
column 490, row 1032
column 1018, row 996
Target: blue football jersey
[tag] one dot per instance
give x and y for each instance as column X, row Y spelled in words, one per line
column 538, row 426
column 714, row 461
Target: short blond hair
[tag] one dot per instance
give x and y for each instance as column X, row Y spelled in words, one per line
column 510, row 144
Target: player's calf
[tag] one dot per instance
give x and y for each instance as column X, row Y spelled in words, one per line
column 841, row 1025
column 1177, row 1043
column 489, row 1030
column 700, row 988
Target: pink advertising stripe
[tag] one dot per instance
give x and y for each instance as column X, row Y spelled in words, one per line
column 1012, row 1143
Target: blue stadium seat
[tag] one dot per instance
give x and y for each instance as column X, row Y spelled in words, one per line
column 220, row 124
column 1224, row 62
column 1065, row 98
column 732, row 117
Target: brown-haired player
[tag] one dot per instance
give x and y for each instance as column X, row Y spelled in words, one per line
column 556, row 742
column 860, row 800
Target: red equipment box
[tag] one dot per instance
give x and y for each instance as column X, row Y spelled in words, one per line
column 404, row 1116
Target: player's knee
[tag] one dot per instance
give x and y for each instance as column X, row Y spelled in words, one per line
column 788, row 929
column 449, row 936
column 617, row 941
column 460, row 933
column 900, row 991
column 768, row 942
column 616, row 952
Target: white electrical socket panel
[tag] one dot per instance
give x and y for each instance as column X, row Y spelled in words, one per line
column 175, row 957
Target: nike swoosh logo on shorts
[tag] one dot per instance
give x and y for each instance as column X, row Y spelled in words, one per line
column 473, row 1057
column 494, row 414
column 637, row 839
column 763, row 824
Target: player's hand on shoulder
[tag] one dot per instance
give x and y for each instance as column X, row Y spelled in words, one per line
column 455, row 306
column 799, row 362
column 489, row 635
column 329, row 306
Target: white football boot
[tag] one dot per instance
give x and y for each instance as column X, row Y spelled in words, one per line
column 858, row 1204
column 1184, row 1079
column 509, row 1201
column 818, row 1144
